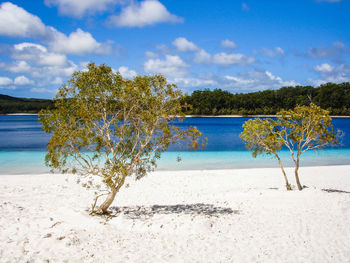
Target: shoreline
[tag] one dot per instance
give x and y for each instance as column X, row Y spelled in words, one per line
column 200, row 116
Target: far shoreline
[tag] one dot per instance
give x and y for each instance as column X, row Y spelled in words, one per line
column 200, row 116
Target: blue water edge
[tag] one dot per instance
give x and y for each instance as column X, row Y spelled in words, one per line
column 25, row 162
column 23, row 145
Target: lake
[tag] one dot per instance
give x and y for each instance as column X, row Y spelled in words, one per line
column 23, row 144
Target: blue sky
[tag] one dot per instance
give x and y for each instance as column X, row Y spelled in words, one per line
column 240, row 46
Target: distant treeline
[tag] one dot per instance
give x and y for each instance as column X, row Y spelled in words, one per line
column 10, row 104
column 330, row 96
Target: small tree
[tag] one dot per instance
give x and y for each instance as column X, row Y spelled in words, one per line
column 301, row 129
column 305, row 128
column 261, row 138
column 106, row 126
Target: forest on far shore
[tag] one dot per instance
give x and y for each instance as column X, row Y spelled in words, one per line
column 330, row 96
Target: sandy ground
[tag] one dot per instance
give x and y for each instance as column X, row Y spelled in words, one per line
column 194, row 216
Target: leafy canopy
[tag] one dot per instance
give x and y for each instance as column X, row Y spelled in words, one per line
column 107, row 126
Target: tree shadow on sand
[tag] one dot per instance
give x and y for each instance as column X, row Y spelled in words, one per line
column 335, row 191
column 144, row 212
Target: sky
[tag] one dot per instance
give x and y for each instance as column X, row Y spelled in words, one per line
column 239, row 46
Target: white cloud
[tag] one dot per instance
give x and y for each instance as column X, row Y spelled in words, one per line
column 202, row 57
column 151, row 54
column 256, row 80
column 19, row 67
column 194, row 82
column 324, row 68
column 277, row 51
column 78, row 43
column 38, row 54
column 22, row 80
column 172, row 66
column 336, row 74
column 182, row 44
column 142, row 14
column 225, row 59
column 5, row 81
column 79, row 8
column 17, row 22
column 127, row 73
column 228, row 44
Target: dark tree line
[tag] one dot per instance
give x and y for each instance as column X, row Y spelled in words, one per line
column 10, row 104
column 330, row 96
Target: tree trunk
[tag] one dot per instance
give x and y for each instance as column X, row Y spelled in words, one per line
column 297, row 175
column 103, row 209
column 284, row 173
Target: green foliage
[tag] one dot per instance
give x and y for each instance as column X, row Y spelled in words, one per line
column 110, row 127
column 260, row 136
column 301, row 129
column 335, row 97
column 10, row 104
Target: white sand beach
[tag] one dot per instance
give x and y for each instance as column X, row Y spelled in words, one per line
column 193, row 216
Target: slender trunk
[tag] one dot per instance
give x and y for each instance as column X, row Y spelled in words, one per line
column 297, row 175
column 103, row 209
column 284, row 173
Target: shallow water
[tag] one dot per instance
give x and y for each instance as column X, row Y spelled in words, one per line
column 22, row 147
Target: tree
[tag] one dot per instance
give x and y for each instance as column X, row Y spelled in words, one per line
column 299, row 130
column 103, row 125
column 261, row 138
column 305, row 128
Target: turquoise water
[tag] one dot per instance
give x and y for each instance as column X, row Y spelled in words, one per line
column 22, row 147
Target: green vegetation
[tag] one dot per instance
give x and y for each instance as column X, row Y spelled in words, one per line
column 107, row 127
column 299, row 130
column 10, row 104
column 333, row 97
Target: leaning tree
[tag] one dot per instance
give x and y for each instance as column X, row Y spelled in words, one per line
column 299, row 130
column 112, row 128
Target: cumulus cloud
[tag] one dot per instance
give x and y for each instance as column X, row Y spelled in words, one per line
column 19, row 67
column 202, row 57
column 38, row 54
column 4, row 81
column 225, row 59
column 145, row 13
column 79, row 8
column 17, row 22
column 228, row 44
column 182, row 44
column 171, row 66
column 324, row 68
column 24, row 24
column 328, row 73
column 127, row 73
column 22, row 80
column 256, row 80
column 78, row 43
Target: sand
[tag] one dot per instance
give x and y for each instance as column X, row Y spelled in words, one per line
column 185, row 216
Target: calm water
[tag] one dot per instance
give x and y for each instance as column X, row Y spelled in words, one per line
column 22, row 147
